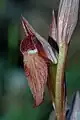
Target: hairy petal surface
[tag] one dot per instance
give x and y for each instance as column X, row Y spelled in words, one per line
column 37, row 72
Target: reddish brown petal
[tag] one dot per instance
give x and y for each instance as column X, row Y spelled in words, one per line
column 37, row 76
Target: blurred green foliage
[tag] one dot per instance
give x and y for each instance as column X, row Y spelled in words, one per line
column 13, row 43
column 2, row 6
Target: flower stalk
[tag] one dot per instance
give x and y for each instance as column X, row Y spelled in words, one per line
column 67, row 20
column 59, row 91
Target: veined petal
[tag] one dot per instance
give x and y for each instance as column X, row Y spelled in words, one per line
column 36, row 70
column 72, row 21
column 45, row 44
column 67, row 19
column 35, row 64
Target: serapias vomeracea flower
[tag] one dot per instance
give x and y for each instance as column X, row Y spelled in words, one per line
column 37, row 52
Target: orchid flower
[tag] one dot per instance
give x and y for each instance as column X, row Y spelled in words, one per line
column 37, row 53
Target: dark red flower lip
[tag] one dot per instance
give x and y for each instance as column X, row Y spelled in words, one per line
column 27, row 44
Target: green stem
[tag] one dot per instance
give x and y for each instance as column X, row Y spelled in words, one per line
column 59, row 92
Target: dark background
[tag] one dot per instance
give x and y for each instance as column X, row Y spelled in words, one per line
column 16, row 102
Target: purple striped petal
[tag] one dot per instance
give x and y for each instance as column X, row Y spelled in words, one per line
column 67, row 19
